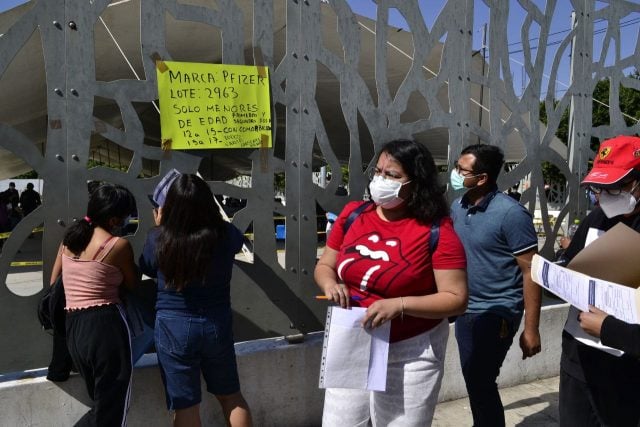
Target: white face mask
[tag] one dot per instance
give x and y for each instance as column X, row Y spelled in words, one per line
column 620, row 204
column 384, row 192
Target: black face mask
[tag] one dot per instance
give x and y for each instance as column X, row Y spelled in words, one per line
column 118, row 230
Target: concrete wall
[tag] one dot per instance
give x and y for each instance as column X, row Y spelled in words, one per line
column 279, row 380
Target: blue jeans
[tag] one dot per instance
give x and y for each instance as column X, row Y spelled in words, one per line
column 483, row 341
column 190, row 343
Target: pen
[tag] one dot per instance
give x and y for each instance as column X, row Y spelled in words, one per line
column 353, row 297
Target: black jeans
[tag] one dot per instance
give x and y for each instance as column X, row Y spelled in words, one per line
column 483, row 341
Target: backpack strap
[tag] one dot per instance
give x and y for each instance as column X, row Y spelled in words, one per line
column 353, row 215
column 434, row 236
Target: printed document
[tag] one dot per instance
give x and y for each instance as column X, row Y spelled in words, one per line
column 580, row 291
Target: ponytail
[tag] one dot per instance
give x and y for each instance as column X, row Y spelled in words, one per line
column 78, row 236
column 105, row 202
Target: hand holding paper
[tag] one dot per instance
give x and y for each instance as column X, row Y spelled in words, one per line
column 381, row 312
column 581, row 290
column 591, row 321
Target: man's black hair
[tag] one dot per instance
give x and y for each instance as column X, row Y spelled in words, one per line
column 489, row 160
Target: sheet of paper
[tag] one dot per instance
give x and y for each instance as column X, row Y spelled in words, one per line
column 581, row 290
column 563, row 283
column 354, row 357
column 379, row 357
column 613, row 256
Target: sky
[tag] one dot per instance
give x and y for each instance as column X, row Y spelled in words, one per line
column 560, row 26
column 9, row 4
column 561, row 23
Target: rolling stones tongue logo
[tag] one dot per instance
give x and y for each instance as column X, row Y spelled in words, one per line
column 374, row 260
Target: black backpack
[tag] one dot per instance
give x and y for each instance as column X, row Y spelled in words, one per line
column 433, row 237
column 51, row 308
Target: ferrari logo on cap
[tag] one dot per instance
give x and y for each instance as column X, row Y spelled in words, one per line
column 636, row 153
column 604, row 152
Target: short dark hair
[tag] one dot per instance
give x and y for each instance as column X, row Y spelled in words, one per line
column 30, row 186
column 489, row 159
column 427, row 202
column 12, row 184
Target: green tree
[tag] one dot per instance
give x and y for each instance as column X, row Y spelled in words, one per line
column 550, row 172
column 629, row 106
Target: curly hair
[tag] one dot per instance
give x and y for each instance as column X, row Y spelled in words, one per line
column 427, row 201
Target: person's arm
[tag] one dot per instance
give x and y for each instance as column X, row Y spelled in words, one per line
column 612, row 332
column 147, row 261
column 122, row 257
column 450, row 300
column 530, row 337
column 57, row 267
column 621, row 335
column 327, row 279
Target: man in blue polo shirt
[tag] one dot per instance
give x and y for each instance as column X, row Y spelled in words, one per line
column 500, row 241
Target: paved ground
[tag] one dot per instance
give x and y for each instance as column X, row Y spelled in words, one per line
column 532, row 404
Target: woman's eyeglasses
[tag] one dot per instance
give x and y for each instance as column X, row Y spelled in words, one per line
column 386, row 174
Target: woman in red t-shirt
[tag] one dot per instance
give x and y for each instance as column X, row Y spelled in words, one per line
column 382, row 262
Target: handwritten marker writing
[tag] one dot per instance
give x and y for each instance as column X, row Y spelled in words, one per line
column 353, row 297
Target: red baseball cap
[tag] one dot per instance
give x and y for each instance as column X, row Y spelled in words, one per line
column 615, row 159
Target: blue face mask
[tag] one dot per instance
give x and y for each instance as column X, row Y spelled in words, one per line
column 457, row 180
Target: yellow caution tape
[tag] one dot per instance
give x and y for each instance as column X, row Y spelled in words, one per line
column 25, row 263
column 8, row 233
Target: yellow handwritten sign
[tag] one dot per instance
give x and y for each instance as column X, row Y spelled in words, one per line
column 206, row 106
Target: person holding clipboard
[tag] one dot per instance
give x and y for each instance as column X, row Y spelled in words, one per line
column 382, row 262
column 598, row 387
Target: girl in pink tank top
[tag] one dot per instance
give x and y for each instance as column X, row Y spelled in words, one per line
column 94, row 264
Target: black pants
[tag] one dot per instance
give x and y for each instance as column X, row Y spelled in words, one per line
column 98, row 340
column 61, row 364
column 611, row 404
column 484, row 340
